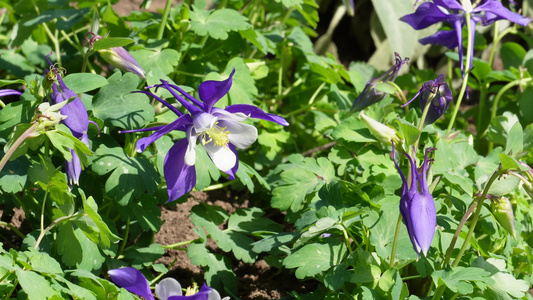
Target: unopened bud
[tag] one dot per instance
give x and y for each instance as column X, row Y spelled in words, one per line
column 379, row 130
column 48, row 116
column 120, row 58
column 503, row 212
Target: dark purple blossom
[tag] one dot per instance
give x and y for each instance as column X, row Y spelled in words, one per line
column 370, row 94
column 77, row 118
column 417, row 206
column 484, row 12
column 220, row 132
column 440, row 96
column 9, row 92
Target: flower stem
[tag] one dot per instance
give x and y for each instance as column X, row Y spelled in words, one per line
column 457, row 232
column 54, row 223
column 15, row 230
column 395, row 242
column 174, row 246
column 16, row 144
column 466, row 73
column 347, row 239
column 125, row 240
column 217, row 186
column 164, row 18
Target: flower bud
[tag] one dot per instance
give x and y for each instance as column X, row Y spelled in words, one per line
column 439, row 95
column 371, row 94
column 48, row 115
column 379, row 130
column 118, row 57
column 503, row 212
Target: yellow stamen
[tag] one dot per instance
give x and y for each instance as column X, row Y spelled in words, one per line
column 216, row 134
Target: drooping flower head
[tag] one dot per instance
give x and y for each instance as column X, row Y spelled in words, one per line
column 167, row 289
column 118, row 57
column 77, row 119
column 439, row 95
column 370, row 94
column 485, row 12
column 416, row 204
column 219, row 131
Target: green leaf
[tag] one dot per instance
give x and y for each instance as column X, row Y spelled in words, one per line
column 34, row 285
column 117, row 106
column 13, row 175
column 15, row 113
column 458, row 279
column 111, row 42
column 76, row 249
column 217, row 23
column 146, row 212
column 515, row 140
column 44, row 263
column 302, row 177
column 219, row 273
column 464, row 183
column 106, row 237
column 144, row 256
column 481, row 69
column 131, row 177
column 312, row 259
column 272, row 142
column 165, row 60
column 512, row 55
column 4, row 82
column 208, row 172
column 353, row 130
column 84, row 82
column 409, row 132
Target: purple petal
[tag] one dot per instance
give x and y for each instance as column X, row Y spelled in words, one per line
column 449, row 4
column 211, row 91
column 425, row 15
column 132, row 280
column 405, row 204
column 447, row 39
column 7, row 92
column 146, row 141
column 77, row 118
column 74, row 165
column 404, row 186
column 494, row 10
column 256, row 113
column 423, row 219
column 122, row 59
column 180, row 177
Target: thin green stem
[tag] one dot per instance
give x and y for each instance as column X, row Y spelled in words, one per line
column 466, row 73
column 399, row 92
column 8, row 296
column 395, row 242
column 495, row 41
column 457, row 232
column 479, row 205
column 43, row 208
column 176, row 245
column 55, row 222
column 2, row 104
column 125, row 240
column 16, row 144
column 347, row 239
column 164, row 19
column 280, row 79
column 411, row 277
column 15, row 230
column 218, row 186
column 315, row 94
column 422, row 122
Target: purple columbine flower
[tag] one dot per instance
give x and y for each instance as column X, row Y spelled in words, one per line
column 485, row 12
column 167, row 289
column 220, row 132
column 370, row 94
column 120, row 58
column 77, row 118
column 417, row 206
column 440, row 96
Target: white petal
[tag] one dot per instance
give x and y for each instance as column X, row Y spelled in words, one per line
column 213, row 295
column 204, row 121
column 223, row 157
column 240, row 135
column 168, row 287
column 190, row 153
column 225, row 115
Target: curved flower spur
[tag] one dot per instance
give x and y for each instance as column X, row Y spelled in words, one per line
column 416, row 204
column 220, row 132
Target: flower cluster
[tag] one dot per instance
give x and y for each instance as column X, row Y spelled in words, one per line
column 454, row 12
column 416, row 204
column 167, row 289
column 219, row 131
